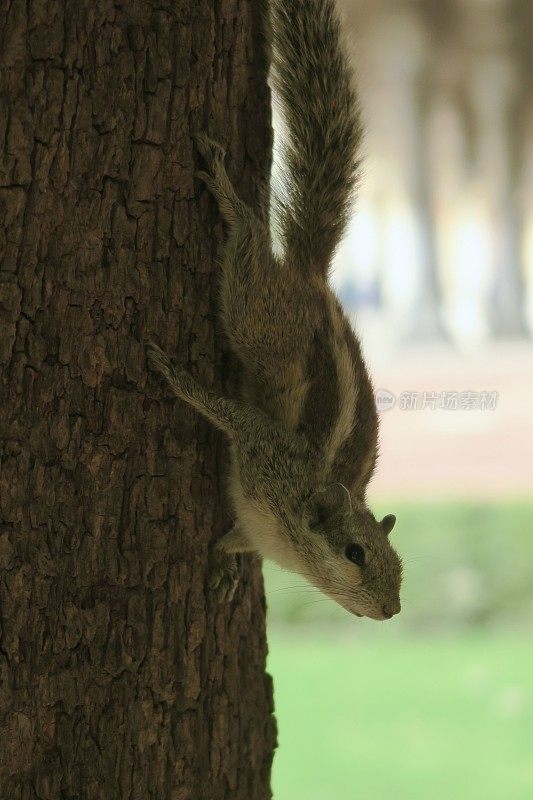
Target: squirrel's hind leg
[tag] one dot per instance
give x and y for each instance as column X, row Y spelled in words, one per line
column 247, row 257
column 217, row 181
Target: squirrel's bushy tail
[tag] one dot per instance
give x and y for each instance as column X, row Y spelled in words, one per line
column 314, row 84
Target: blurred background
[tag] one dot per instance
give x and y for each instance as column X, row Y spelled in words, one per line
column 437, row 275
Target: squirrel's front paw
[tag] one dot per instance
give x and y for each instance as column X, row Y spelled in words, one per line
column 224, row 576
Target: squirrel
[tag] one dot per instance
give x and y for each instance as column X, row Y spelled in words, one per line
column 304, row 435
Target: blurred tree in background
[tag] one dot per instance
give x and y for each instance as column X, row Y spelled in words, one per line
column 444, row 222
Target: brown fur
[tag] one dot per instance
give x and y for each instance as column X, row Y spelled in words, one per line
column 304, row 438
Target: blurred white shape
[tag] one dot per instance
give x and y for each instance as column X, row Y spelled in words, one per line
column 470, row 263
column 402, row 256
column 477, row 678
column 512, row 701
column 463, row 588
column 357, row 256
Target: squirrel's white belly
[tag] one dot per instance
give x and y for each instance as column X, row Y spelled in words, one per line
column 262, row 529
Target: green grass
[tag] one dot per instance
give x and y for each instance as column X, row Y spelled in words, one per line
column 392, row 716
column 436, row 704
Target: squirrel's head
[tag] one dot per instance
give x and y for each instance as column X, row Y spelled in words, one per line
column 348, row 555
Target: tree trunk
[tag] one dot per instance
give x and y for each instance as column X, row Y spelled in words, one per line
column 120, row 675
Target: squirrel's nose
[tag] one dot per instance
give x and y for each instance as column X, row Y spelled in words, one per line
column 390, row 609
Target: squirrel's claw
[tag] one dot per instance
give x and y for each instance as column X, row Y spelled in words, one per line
column 224, row 577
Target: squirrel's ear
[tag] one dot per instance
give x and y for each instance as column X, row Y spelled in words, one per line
column 326, row 503
column 388, row 523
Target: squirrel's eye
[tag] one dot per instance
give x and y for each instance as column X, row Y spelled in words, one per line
column 355, row 553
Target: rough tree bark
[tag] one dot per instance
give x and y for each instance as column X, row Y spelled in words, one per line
column 120, row 676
